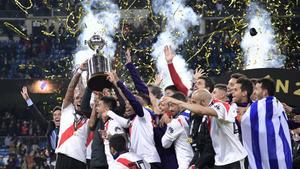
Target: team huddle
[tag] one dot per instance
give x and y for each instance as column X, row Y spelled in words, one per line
column 234, row 126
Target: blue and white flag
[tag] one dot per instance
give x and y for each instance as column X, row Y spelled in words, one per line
column 266, row 135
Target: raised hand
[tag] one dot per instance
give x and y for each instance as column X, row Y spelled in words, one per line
column 113, row 77
column 83, row 66
column 165, row 119
column 24, row 93
column 128, row 56
column 198, row 73
column 168, row 54
column 287, row 108
column 297, row 118
column 158, row 79
column 171, row 100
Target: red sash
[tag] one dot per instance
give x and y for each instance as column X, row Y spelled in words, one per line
column 90, row 138
column 126, row 163
column 69, row 132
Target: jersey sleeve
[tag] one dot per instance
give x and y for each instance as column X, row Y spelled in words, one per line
column 174, row 128
column 224, row 114
column 120, row 120
column 116, row 165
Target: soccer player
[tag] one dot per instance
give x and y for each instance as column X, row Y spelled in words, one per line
column 220, row 92
column 123, row 158
column 71, row 148
column 265, row 130
column 140, row 127
column 232, row 81
column 177, row 132
column 229, row 151
column 111, row 127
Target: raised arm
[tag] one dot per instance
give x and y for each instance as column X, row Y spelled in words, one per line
column 137, row 107
column 195, row 108
column 85, row 102
column 72, row 85
column 174, row 75
column 32, row 107
column 93, row 118
column 138, row 82
column 120, row 110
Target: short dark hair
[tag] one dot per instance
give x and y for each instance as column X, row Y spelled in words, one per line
column 268, row 84
column 56, row 108
column 221, row 86
column 145, row 97
column 254, row 81
column 156, row 91
column 118, row 142
column 209, row 83
column 171, row 87
column 179, row 96
column 110, row 102
column 237, row 75
column 246, row 85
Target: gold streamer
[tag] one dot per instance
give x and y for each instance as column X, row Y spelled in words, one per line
column 22, row 7
column 16, row 30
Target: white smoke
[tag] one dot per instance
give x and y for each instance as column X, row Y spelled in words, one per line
column 260, row 51
column 101, row 17
column 178, row 19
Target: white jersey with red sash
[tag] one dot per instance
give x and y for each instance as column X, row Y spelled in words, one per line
column 224, row 134
column 177, row 132
column 73, row 134
column 141, row 135
column 111, row 127
column 130, row 160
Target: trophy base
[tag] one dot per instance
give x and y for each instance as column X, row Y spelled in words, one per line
column 98, row 82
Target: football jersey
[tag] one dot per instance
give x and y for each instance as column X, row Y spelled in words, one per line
column 130, row 160
column 224, row 134
column 141, row 135
column 111, row 127
column 72, row 143
column 177, row 132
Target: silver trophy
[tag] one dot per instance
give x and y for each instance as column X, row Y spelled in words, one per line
column 98, row 65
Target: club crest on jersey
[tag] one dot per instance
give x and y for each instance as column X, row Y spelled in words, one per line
column 171, row 130
column 117, row 128
column 217, row 107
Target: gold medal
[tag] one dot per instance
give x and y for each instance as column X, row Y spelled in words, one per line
column 189, row 140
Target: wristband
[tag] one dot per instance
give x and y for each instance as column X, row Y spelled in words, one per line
column 29, row 102
column 79, row 71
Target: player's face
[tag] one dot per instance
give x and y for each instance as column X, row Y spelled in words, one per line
column 128, row 110
column 169, row 92
column 163, row 106
column 106, row 92
column 77, row 100
column 174, row 108
column 56, row 117
column 102, row 108
column 253, row 96
column 237, row 93
column 218, row 94
column 259, row 92
column 230, row 85
column 200, row 84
